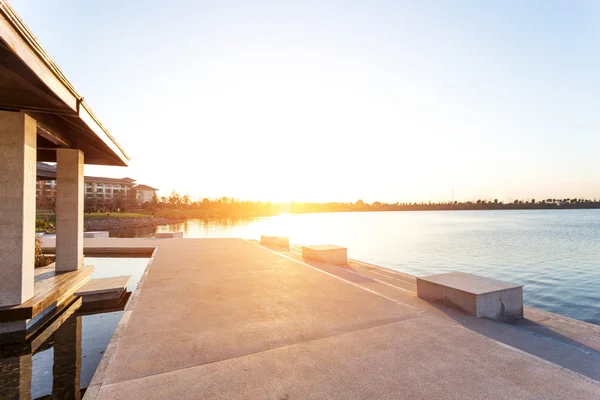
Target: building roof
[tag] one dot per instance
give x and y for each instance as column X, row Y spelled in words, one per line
column 144, row 187
column 47, row 172
column 101, row 179
column 32, row 82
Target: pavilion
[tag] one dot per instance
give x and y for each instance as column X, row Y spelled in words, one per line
column 42, row 118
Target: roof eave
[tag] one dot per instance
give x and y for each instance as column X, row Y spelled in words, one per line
column 25, row 45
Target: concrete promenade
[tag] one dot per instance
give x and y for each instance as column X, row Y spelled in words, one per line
column 228, row 319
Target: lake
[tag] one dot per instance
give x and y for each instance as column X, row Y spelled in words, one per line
column 554, row 253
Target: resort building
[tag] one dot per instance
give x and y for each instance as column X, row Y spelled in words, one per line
column 144, row 193
column 108, row 189
column 98, row 190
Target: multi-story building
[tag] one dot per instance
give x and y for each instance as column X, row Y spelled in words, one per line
column 144, row 193
column 108, row 189
column 99, row 191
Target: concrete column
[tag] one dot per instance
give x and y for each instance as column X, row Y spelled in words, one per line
column 17, row 206
column 69, row 210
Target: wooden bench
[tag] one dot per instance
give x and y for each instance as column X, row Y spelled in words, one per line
column 50, row 289
column 474, row 295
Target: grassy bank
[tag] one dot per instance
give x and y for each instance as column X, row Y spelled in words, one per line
column 46, row 221
column 115, row 215
column 191, row 213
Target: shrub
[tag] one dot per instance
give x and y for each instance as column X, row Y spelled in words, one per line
column 40, row 259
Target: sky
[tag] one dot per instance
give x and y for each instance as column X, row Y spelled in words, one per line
column 339, row 100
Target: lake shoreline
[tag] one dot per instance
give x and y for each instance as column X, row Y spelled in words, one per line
column 116, row 222
column 109, row 223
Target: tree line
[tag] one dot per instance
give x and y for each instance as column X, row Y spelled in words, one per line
column 226, row 206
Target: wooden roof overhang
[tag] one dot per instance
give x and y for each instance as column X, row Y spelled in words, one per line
column 31, row 82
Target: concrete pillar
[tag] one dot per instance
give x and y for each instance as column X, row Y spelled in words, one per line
column 69, row 210
column 17, row 206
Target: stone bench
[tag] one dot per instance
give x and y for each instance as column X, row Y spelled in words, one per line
column 96, row 234
column 327, row 253
column 279, row 241
column 103, row 289
column 474, row 295
column 168, row 235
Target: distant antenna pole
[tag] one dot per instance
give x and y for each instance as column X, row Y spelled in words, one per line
column 452, row 195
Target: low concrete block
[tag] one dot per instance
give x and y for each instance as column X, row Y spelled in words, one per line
column 103, row 289
column 474, row 295
column 96, row 234
column 326, row 253
column 169, row 235
column 280, row 241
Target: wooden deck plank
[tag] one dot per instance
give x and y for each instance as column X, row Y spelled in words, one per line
column 49, row 287
column 97, row 251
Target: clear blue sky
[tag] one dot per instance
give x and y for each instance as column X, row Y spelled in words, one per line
column 324, row 100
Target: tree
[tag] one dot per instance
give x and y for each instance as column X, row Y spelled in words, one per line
column 90, row 203
column 131, row 199
column 46, row 198
column 186, row 200
column 120, row 200
column 174, row 199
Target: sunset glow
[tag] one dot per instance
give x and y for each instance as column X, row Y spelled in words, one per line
column 409, row 101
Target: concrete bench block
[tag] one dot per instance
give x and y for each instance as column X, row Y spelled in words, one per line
column 280, row 241
column 474, row 295
column 103, row 289
column 96, row 234
column 169, row 235
column 327, row 253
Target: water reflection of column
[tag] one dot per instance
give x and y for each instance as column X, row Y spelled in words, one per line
column 67, row 360
column 15, row 377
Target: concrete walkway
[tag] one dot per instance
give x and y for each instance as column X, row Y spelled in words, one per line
column 228, row 319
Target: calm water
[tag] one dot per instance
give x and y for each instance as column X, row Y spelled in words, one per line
column 554, row 253
column 62, row 367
